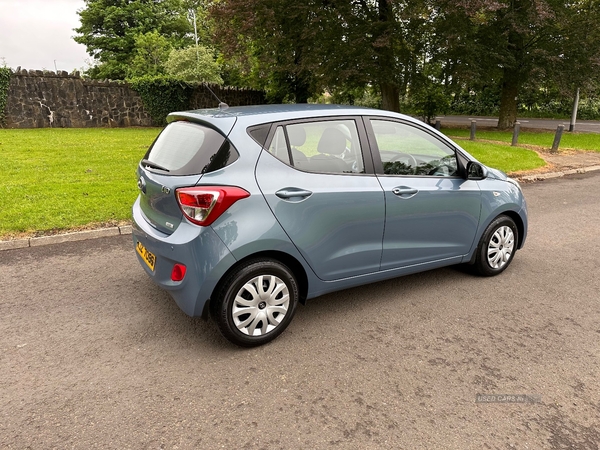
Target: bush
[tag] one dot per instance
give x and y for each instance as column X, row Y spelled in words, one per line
column 5, row 74
column 162, row 95
column 429, row 101
column 589, row 109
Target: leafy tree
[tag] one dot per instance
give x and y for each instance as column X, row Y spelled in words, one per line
column 151, row 53
column 200, row 21
column 517, row 43
column 382, row 43
column 194, row 64
column 303, row 47
column 268, row 42
column 109, row 29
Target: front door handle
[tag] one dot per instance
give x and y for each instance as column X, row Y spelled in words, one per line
column 404, row 192
column 294, row 194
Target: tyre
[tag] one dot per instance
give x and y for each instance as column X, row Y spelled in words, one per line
column 256, row 302
column 497, row 247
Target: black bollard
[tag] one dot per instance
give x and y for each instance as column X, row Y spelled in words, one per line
column 557, row 138
column 516, row 131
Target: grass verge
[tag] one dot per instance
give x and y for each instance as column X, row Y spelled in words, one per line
column 543, row 139
column 57, row 179
column 503, row 157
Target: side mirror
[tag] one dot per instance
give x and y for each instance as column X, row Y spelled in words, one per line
column 476, row 171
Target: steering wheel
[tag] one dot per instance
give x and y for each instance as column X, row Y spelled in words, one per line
column 411, row 162
column 444, row 169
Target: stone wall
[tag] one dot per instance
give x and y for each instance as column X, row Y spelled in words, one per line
column 38, row 99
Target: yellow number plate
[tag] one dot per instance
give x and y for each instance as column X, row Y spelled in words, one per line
column 148, row 257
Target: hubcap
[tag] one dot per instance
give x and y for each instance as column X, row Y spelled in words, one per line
column 260, row 305
column 501, row 247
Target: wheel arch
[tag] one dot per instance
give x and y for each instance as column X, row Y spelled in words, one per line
column 516, row 218
column 284, row 258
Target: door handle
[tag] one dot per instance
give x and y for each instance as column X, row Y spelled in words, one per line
column 293, row 194
column 404, row 192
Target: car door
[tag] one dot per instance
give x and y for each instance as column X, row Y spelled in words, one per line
column 432, row 213
column 329, row 202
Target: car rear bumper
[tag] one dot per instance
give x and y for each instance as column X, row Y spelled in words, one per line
column 198, row 248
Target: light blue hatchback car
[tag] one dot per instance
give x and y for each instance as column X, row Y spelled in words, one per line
column 244, row 212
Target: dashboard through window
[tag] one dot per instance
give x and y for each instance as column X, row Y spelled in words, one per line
column 407, row 150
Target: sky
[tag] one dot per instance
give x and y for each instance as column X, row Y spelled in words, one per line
column 38, row 34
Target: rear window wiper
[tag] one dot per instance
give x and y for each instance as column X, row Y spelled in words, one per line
column 148, row 163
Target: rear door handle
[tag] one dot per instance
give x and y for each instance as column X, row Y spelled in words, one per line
column 294, row 194
column 404, row 192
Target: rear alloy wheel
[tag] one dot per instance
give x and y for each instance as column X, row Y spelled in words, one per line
column 256, row 303
column 497, row 247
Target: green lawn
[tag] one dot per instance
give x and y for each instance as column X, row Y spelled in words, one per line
column 503, row 157
column 57, row 179
column 580, row 141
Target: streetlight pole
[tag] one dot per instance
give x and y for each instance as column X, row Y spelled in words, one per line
column 574, row 113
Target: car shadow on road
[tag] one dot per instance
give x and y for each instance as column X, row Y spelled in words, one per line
column 351, row 308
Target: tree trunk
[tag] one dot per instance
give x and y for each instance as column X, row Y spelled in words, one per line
column 301, row 85
column 508, row 100
column 390, row 92
column 301, row 88
column 390, row 96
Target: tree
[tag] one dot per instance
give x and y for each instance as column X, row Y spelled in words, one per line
column 109, row 29
column 194, row 64
column 268, row 41
column 304, row 46
column 200, row 21
column 150, row 55
column 383, row 43
column 519, row 42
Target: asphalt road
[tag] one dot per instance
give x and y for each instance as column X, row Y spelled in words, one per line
column 93, row 355
column 587, row 126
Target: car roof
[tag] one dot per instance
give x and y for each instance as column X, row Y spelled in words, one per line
column 258, row 114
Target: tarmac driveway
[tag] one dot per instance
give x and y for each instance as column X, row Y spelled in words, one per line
column 92, row 355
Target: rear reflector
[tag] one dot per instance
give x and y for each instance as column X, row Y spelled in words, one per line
column 203, row 205
column 178, row 272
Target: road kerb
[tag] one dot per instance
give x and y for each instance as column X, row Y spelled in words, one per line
column 590, row 168
column 66, row 237
column 547, row 176
column 70, row 237
column 125, row 229
column 14, row 244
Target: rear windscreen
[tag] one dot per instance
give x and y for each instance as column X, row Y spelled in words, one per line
column 185, row 148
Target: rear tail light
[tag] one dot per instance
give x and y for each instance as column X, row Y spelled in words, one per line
column 203, row 205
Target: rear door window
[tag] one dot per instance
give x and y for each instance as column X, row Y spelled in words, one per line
column 185, row 148
column 331, row 146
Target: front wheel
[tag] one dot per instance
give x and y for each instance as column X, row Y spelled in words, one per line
column 256, row 302
column 497, row 246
